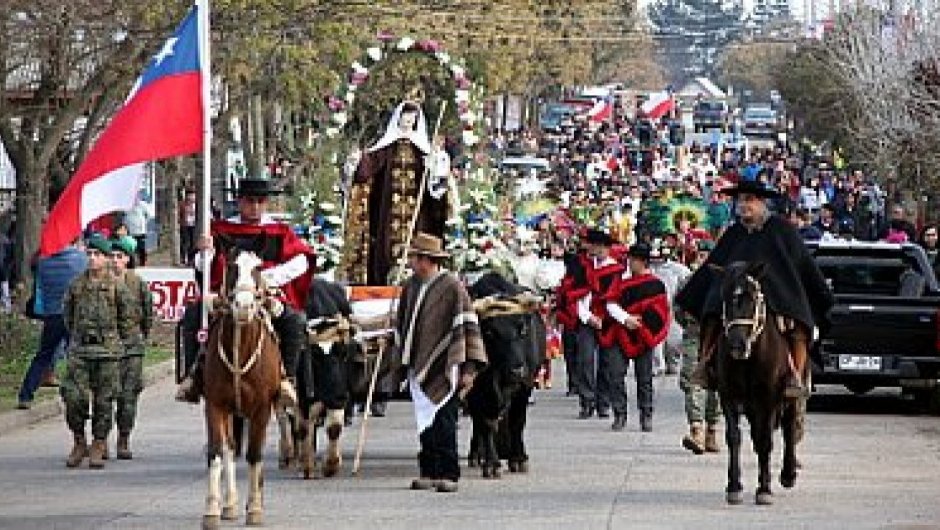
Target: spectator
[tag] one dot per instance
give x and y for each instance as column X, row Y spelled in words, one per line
column 929, row 241
column 897, row 225
column 6, row 270
column 826, row 223
column 136, row 219
column 806, row 228
column 188, row 227
column 54, row 274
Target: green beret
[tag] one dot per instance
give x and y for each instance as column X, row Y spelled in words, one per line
column 125, row 244
column 99, row 243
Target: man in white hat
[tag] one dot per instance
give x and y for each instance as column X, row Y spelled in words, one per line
column 442, row 351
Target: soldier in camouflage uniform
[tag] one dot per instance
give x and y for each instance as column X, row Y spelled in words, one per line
column 96, row 311
column 132, row 362
column 701, row 405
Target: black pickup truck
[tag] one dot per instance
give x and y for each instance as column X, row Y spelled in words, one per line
column 886, row 322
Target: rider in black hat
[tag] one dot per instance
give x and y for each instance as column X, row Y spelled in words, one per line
column 794, row 287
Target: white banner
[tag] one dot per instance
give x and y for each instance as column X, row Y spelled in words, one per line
column 172, row 289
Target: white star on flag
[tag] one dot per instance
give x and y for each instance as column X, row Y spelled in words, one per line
column 166, row 51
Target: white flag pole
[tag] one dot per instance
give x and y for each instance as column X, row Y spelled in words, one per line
column 205, row 38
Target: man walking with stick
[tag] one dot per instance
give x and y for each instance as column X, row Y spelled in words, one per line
column 442, row 351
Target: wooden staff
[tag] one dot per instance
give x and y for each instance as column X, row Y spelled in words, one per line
column 399, row 276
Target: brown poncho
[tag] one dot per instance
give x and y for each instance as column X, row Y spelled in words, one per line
column 446, row 332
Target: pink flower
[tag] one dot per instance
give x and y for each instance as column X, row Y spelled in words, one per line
column 358, row 78
column 430, row 46
column 336, row 104
column 385, row 36
column 463, row 83
column 463, row 107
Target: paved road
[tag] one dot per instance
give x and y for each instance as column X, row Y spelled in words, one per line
column 862, row 470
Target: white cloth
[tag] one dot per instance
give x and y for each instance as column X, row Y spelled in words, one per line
column 425, row 409
column 136, row 219
column 526, row 269
column 673, row 275
column 618, row 313
column 417, row 136
column 438, row 163
column 549, row 274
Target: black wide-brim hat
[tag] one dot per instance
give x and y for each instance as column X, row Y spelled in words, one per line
column 599, row 237
column 255, row 187
column 641, row 251
column 753, row 187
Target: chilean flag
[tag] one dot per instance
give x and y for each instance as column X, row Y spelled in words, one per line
column 162, row 118
column 658, row 105
column 602, row 110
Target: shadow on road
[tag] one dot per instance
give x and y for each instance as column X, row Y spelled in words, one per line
column 835, row 399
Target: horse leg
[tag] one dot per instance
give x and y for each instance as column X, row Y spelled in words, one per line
column 236, row 428
column 215, row 428
column 790, row 437
column 230, row 505
column 255, row 456
column 734, row 490
column 516, row 419
column 306, row 434
column 490, row 456
column 473, row 456
column 286, row 443
column 334, row 428
column 762, row 439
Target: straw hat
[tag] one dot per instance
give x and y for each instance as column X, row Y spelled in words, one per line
column 427, row 245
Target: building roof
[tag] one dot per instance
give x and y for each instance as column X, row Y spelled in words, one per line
column 703, row 86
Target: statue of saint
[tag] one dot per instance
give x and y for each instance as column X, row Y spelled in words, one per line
column 383, row 197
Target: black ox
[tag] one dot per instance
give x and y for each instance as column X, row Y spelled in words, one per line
column 514, row 337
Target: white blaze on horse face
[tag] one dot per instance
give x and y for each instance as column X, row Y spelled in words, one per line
column 245, row 302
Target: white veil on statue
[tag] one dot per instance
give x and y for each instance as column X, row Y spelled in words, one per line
column 418, row 136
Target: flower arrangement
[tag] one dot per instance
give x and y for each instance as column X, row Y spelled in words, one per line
column 323, row 228
column 465, row 95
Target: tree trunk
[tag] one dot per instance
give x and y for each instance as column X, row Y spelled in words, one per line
column 31, row 206
column 167, row 209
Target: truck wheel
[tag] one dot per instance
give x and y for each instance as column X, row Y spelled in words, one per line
column 929, row 400
column 859, row 388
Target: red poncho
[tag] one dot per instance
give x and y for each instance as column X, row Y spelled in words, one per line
column 274, row 243
column 643, row 296
column 602, row 280
column 574, row 286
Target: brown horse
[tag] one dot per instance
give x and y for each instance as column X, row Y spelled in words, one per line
column 242, row 375
column 753, row 363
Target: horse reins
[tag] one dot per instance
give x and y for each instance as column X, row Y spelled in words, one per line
column 756, row 323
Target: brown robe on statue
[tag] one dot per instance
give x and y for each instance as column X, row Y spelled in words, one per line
column 382, row 202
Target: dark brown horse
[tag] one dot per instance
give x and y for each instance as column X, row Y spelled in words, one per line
column 752, row 366
column 242, row 375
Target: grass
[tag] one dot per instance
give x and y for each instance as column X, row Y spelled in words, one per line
column 19, row 340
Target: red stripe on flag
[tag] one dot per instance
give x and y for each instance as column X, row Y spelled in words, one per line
column 162, row 120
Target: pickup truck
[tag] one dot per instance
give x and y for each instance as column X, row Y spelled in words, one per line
column 886, row 320
column 710, row 115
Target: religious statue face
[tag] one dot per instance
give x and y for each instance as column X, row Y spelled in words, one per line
column 408, row 121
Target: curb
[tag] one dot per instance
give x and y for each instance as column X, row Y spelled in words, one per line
column 50, row 408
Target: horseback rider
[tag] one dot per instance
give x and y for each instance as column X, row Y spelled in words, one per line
column 794, row 287
column 287, row 266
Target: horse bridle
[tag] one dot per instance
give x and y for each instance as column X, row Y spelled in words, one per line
column 755, row 324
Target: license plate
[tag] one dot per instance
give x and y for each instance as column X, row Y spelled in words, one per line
column 860, row 363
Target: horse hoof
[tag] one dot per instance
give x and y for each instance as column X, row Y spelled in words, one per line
column 764, row 498
column 253, row 519
column 523, row 467
column 734, row 497
column 229, row 513
column 211, row 522
column 486, row 472
column 331, row 467
column 514, row 467
column 472, row 462
column 788, row 480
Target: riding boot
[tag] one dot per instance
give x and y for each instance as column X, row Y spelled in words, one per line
column 78, row 453
column 798, row 354
column 190, row 389
column 695, row 440
column 620, row 422
column 702, row 373
column 292, row 332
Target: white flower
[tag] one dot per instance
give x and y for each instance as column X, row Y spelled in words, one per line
column 340, row 118
column 457, row 70
column 333, row 219
column 359, row 69
column 443, row 57
column 327, row 206
column 469, row 138
column 462, row 96
column 405, row 43
column 374, row 53
column 350, row 97
column 331, row 132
